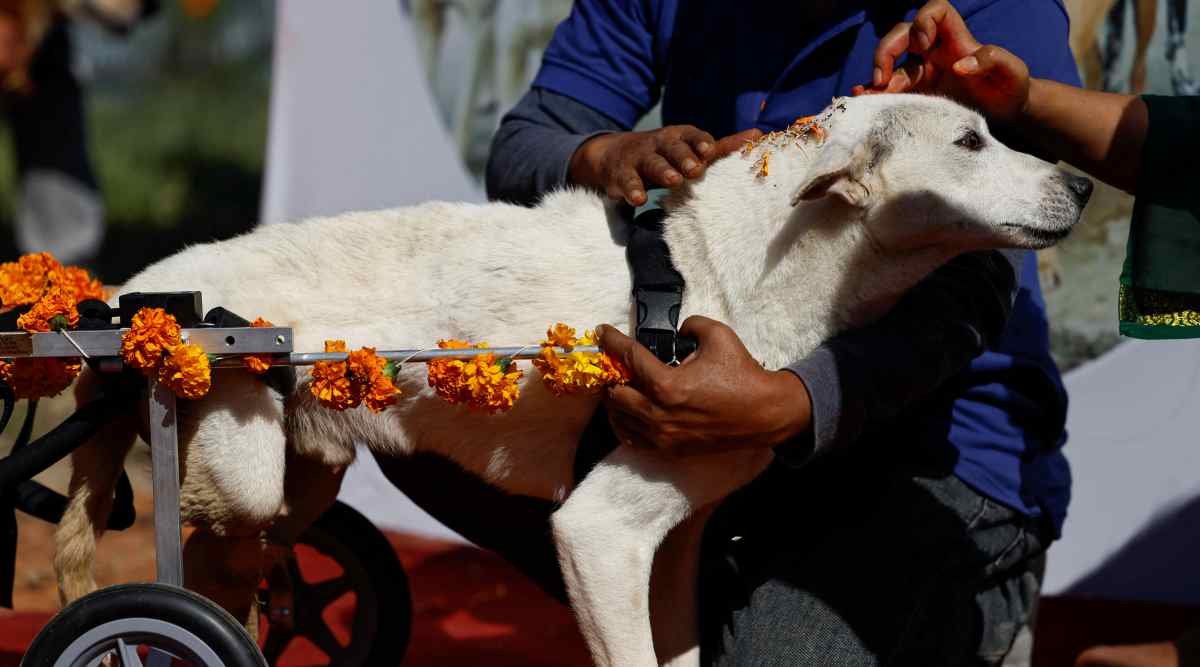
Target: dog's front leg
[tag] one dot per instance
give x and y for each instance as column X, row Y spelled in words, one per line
column 610, row 527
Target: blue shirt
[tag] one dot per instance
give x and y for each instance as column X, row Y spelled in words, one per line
column 724, row 66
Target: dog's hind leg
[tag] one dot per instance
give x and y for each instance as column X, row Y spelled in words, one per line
column 95, row 468
column 309, row 488
column 610, row 527
column 232, row 488
column 226, row 567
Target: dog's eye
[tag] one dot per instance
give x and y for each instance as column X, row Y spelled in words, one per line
column 970, row 141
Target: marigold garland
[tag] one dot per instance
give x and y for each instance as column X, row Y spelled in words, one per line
column 363, row 378
column 258, row 363
column 154, row 345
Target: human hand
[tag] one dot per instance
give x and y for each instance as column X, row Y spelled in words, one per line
column 950, row 62
column 718, row 399
column 622, row 163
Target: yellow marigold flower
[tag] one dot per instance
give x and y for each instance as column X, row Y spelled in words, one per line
column 561, row 335
column 152, row 332
column 329, row 382
column 335, row 346
column 482, row 383
column 258, row 363
column 491, row 386
column 39, row 377
column 185, row 370
column 55, row 310
column 578, row 373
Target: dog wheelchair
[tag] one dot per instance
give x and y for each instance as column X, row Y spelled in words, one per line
column 161, row 623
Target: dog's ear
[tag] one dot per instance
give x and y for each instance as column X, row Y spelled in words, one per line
column 839, row 170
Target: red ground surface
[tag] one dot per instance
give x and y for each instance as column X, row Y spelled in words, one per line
column 469, row 607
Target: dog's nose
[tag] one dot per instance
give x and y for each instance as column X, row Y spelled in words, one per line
column 1081, row 188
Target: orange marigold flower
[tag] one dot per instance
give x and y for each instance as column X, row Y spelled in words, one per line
column 550, row 366
column 185, row 370
column 79, row 282
column 560, row 335
column 329, row 382
column 381, row 393
column 258, row 363
column 367, row 377
column 24, row 281
column 446, row 375
column 152, row 332
column 39, row 377
column 614, row 371
column 364, row 365
column 55, row 310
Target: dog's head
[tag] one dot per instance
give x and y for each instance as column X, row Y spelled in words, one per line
column 927, row 173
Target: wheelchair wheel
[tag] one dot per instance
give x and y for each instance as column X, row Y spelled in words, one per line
column 134, row 624
column 343, row 569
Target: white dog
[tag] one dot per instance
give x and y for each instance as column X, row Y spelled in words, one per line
column 827, row 237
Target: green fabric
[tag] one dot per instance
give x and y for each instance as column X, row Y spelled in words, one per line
column 1160, row 281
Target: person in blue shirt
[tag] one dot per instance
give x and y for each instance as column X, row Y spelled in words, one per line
column 919, row 477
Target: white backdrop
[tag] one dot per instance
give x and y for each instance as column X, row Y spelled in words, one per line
column 354, row 126
column 1133, row 531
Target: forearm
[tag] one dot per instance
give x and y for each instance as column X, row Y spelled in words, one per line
column 1100, row 133
column 877, row 372
column 532, row 148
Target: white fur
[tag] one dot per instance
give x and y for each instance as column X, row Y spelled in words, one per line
column 829, row 239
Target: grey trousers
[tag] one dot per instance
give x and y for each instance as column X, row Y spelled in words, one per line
column 852, row 560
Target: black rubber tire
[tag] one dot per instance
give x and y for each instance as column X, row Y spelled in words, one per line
column 383, row 611
column 211, row 624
